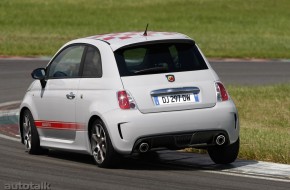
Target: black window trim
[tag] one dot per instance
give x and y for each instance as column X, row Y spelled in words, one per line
column 83, row 62
column 81, row 68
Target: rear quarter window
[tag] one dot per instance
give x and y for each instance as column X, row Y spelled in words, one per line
column 159, row 58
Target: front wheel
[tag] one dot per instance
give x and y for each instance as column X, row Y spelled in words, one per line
column 224, row 154
column 102, row 149
column 30, row 134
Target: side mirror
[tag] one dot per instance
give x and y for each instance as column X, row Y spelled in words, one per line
column 39, row 74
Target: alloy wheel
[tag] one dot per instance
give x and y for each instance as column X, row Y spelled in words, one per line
column 99, row 143
column 27, row 132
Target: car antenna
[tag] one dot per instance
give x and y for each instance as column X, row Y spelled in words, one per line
column 145, row 33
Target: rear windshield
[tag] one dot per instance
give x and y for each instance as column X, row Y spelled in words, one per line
column 159, row 58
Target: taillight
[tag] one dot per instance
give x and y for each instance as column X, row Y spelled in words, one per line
column 221, row 92
column 125, row 100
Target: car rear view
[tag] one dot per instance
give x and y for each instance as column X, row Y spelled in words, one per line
column 133, row 92
column 176, row 99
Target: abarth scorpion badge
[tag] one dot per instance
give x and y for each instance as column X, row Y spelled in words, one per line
column 170, row 78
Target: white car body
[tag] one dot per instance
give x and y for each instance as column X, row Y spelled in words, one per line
column 64, row 108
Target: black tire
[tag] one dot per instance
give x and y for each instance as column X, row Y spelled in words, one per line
column 103, row 151
column 224, row 154
column 30, row 134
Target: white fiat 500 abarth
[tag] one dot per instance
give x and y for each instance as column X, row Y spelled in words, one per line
column 123, row 93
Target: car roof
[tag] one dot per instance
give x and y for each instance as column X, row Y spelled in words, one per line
column 121, row 39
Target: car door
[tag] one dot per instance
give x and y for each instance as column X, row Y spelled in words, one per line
column 55, row 103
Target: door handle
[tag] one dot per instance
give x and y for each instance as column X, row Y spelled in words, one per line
column 70, row 96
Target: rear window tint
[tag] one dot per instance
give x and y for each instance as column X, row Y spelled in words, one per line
column 159, row 58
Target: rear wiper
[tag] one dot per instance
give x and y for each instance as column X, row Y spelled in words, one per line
column 152, row 70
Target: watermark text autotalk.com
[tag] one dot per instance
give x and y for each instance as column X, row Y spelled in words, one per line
column 28, row 186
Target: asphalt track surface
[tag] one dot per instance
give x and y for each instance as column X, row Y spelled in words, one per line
column 165, row 170
column 76, row 171
column 15, row 74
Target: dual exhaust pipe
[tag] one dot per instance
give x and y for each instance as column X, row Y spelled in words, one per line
column 219, row 140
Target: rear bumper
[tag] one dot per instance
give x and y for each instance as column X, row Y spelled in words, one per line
column 127, row 127
column 197, row 139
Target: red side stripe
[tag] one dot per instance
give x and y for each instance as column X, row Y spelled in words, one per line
column 58, row 125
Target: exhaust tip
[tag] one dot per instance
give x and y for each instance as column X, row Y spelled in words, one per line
column 220, row 140
column 144, row 147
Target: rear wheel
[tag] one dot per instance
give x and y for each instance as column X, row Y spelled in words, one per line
column 224, row 154
column 30, row 134
column 103, row 152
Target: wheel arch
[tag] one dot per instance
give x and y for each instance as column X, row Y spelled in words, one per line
column 21, row 112
column 90, row 124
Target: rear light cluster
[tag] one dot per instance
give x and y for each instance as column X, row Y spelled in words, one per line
column 125, row 100
column 221, row 92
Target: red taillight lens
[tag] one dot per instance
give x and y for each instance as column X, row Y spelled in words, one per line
column 123, row 100
column 222, row 94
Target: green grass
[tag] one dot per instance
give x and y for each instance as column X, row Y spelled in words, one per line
column 224, row 28
column 265, row 122
column 264, row 114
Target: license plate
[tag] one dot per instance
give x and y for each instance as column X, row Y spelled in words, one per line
column 175, row 99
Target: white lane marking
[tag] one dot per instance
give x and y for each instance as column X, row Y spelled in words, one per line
column 10, row 103
column 9, row 138
column 247, row 175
